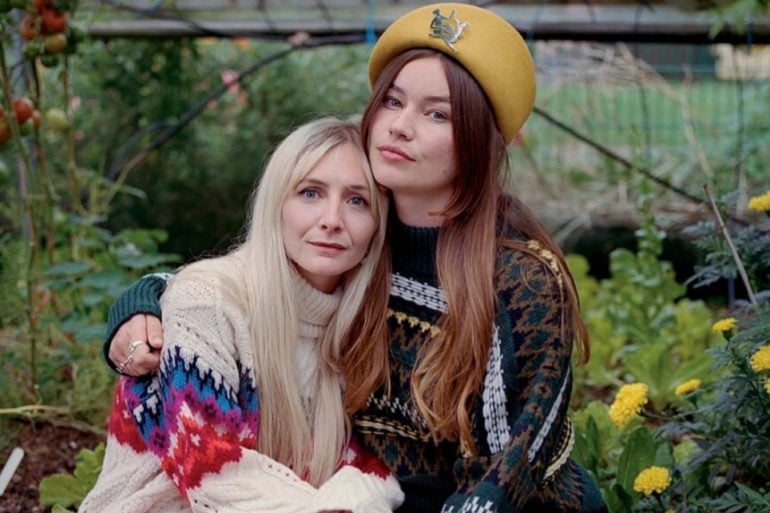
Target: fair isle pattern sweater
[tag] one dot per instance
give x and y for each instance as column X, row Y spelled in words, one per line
column 520, row 423
column 184, row 439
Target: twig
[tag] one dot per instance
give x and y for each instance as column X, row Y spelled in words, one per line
column 736, row 257
column 32, row 409
column 614, row 156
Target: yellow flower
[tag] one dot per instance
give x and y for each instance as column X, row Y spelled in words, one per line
column 767, row 385
column 670, row 511
column 760, row 360
column 628, row 403
column 687, row 387
column 724, row 325
column 652, row 479
column 760, row 203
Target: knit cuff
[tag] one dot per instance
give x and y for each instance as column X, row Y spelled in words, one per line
column 360, row 492
column 486, row 497
column 143, row 297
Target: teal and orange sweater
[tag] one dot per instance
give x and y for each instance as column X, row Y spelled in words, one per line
column 520, row 424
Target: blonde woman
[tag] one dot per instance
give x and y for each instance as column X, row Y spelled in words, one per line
column 246, row 411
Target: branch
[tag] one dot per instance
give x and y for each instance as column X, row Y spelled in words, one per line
column 736, row 257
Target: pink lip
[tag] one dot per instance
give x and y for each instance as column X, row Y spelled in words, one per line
column 394, row 153
column 327, row 245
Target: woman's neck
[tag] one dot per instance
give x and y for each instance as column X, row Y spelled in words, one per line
column 415, row 211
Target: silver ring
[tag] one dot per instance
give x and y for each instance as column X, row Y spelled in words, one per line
column 131, row 348
column 123, row 366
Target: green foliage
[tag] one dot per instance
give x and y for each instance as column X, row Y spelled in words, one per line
column 731, row 428
column 713, row 439
column 641, row 327
column 62, row 364
column 750, row 242
column 60, row 267
column 222, row 150
column 62, row 491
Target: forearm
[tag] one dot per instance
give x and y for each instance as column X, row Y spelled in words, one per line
column 522, row 409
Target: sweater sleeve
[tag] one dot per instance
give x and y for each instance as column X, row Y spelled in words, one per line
column 522, row 422
column 206, row 434
column 143, row 297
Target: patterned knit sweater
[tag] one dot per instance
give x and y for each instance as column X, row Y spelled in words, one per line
column 520, row 423
column 184, row 439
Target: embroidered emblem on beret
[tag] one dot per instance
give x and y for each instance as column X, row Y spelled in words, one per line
column 448, row 28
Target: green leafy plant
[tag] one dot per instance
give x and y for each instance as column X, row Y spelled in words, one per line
column 703, row 449
column 642, row 327
column 60, row 268
column 63, row 491
column 748, row 240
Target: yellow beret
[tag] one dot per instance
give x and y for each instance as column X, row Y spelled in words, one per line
column 483, row 42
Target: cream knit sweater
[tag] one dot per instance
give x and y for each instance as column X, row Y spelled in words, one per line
column 184, row 440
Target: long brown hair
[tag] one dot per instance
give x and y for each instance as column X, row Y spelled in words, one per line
column 479, row 217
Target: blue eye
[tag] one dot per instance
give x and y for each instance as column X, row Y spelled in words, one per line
column 309, row 193
column 359, row 201
column 389, row 101
column 438, row 115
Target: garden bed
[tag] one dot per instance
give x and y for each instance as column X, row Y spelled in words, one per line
column 48, row 449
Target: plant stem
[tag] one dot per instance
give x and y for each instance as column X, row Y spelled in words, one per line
column 32, row 409
column 25, row 176
column 729, row 240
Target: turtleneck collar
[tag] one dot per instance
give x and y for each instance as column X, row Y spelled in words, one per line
column 315, row 307
column 413, row 249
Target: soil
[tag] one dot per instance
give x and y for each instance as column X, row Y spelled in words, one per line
column 48, row 449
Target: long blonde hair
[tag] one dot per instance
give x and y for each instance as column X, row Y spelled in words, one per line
column 258, row 277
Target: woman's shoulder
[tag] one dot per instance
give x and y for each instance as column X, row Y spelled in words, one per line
column 207, row 281
column 527, row 262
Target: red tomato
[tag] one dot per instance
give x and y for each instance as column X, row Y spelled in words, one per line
column 37, row 118
column 27, row 29
column 54, row 21
column 23, row 108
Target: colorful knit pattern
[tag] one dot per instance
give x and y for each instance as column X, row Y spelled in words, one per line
column 201, row 425
column 190, row 432
column 521, row 430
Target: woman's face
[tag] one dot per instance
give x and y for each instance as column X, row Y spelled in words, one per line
column 327, row 219
column 411, row 143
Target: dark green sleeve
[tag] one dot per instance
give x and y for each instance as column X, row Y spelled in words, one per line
column 143, row 297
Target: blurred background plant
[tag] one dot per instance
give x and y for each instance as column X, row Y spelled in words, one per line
column 690, row 435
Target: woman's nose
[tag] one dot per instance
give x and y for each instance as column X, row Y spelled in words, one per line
column 331, row 218
column 402, row 124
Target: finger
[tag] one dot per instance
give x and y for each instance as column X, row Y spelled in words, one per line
column 154, row 332
column 144, row 362
column 133, row 329
column 140, row 361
